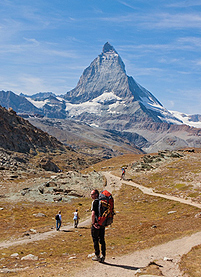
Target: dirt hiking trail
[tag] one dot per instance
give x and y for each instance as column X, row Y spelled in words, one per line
column 114, row 183
column 166, row 256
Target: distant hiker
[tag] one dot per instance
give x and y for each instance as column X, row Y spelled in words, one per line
column 58, row 220
column 97, row 231
column 76, row 218
column 123, row 172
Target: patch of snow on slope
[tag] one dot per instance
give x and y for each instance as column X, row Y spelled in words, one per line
column 154, row 106
column 37, row 104
column 77, row 109
column 92, row 106
column 185, row 118
column 105, row 97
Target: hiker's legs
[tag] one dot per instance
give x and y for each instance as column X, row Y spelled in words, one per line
column 95, row 237
column 58, row 224
column 102, row 240
column 75, row 223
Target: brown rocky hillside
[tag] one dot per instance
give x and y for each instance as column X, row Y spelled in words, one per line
column 17, row 134
column 19, row 138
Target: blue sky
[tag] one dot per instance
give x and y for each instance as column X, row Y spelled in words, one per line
column 46, row 45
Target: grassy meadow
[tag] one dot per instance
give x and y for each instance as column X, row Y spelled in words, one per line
column 141, row 221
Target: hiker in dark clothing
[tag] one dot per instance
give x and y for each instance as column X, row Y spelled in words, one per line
column 97, row 232
column 58, row 221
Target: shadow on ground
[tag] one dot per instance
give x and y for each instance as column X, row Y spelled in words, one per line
column 123, row 266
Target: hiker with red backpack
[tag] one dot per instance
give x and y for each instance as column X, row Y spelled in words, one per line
column 102, row 212
column 123, row 172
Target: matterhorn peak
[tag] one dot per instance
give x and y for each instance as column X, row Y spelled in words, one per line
column 108, row 48
column 107, row 73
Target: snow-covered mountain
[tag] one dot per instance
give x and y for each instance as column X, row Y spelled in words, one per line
column 104, row 89
column 106, row 97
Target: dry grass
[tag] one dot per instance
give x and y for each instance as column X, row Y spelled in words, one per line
column 180, row 177
column 114, row 164
column 190, row 263
column 141, row 221
column 18, row 218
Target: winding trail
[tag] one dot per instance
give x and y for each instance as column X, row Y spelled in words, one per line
column 166, row 255
column 115, row 183
column 128, row 265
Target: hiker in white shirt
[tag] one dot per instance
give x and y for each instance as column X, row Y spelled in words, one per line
column 76, row 218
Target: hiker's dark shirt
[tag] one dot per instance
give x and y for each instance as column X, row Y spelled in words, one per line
column 94, row 208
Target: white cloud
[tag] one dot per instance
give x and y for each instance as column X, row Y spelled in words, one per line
column 179, row 20
column 158, row 20
column 32, row 40
column 198, row 62
column 190, row 40
column 66, row 54
column 184, row 4
column 127, row 5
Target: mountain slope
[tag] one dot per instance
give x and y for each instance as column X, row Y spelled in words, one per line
column 107, row 74
column 18, row 137
column 17, row 103
column 17, row 134
column 88, row 140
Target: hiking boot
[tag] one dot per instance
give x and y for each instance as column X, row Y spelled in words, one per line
column 102, row 259
column 96, row 258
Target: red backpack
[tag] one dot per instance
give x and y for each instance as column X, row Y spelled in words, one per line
column 106, row 208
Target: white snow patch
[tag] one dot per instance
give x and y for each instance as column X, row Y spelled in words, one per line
column 94, row 125
column 106, row 96
column 37, row 104
column 185, row 118
column 77, row 109
column 93, row 106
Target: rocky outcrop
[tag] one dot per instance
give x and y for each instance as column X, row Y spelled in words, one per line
column 11, row 161
column 151, row 162
column 48, row 165
column 62, row 187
